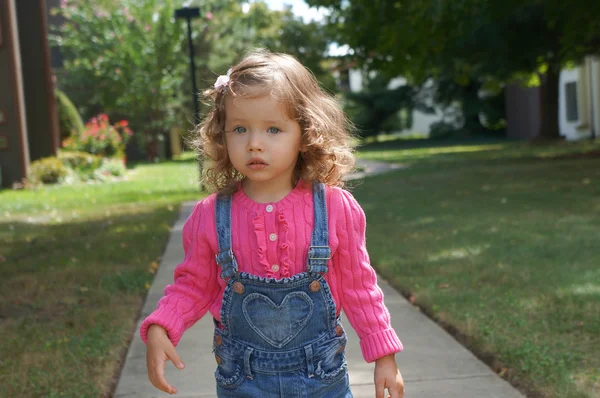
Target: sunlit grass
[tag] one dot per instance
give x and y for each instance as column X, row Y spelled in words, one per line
column 482, row 151
column 500, row 242
column 76, row 262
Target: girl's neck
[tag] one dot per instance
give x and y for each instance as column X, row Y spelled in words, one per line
column 266, row 193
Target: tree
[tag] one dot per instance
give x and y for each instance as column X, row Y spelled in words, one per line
column 123, row 59
column 128, row 59
column 278, row 31
column 473, row 40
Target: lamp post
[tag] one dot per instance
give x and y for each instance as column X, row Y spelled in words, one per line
column 190, row 13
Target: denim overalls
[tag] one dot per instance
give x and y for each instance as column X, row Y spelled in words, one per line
column 279, row 338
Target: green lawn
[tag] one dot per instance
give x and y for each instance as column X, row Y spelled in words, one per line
column 76, row 262
column 496, row 240
column 499, row 242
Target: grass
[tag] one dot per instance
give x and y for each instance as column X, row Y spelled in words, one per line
column 498, row 241
column 76, row 262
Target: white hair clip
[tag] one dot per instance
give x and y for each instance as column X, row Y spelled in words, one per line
column 222, row 82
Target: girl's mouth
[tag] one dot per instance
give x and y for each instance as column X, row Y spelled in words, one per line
column 256, row 164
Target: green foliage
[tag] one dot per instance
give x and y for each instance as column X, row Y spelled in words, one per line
column 68, row 118
column 234, row 32
column 281, row 31
column 129, row 58
column 101, row 138
column 113, row 167
column 444, row 130
column 123, row 58
column 377, row 109
column 48, row 170
column 472, row 41
column 79, row 160
column 72, row 167
column 83, row 164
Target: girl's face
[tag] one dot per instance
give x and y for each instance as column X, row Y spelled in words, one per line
column 263, row 142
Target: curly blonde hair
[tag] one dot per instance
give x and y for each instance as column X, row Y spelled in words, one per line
column 327, row 134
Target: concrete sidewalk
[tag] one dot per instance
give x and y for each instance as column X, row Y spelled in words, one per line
column 433, row 364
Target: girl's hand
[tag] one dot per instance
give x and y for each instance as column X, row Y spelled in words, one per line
column 159, row 350
column 388, row 376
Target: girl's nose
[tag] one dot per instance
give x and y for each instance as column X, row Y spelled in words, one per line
column 254, row 142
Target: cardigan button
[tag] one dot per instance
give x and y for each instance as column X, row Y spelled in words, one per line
column 341, row 349
column 314, row 286
column 218, row 340
column 338, row 330
column 218, row 359
column 238, row 288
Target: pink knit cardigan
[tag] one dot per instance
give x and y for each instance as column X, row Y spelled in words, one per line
column 271, row 240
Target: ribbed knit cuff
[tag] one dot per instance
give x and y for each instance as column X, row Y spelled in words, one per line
column 380, row 344
column 166, row 318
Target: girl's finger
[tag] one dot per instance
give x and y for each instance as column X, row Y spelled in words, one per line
column 397, row 392
column 174, row 357
column 379, row 390
column 158, row 379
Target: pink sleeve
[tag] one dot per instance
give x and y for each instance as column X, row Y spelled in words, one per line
column 361, row 298
column 195, row 284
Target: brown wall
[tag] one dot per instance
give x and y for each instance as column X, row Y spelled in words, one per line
column 42, row 122
column 523, row 109
column 15, row 159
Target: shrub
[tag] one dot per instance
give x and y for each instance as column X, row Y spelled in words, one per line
column 82, row 163
column 101, row 138
column 444, row 130
column 49, row 170
column 70, row 122
column 76, row 160
column 114, row 167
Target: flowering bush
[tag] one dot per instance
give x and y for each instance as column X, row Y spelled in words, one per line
column 101, row 138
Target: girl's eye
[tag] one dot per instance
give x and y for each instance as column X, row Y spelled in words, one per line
column 273, row 130
column 239, row 130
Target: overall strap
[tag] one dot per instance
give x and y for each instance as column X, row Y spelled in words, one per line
column 225, row 258
column 319, row 252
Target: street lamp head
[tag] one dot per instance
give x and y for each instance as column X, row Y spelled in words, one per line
column 187, row 12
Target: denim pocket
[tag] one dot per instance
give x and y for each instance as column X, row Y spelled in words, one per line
column 229, row 373
column 332, row 365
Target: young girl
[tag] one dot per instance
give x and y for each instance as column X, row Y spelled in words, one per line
column 279, row 250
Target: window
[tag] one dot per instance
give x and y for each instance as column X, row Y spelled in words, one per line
column 571, row 101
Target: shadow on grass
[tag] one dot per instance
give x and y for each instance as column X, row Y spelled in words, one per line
column 486, row 151
column 505, row 258
column 70, row 297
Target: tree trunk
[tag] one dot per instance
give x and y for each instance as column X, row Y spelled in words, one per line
column 471, row 106
column 549, row 129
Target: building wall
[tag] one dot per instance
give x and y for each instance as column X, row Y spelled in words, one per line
column 40, row 103
column 14, row 158
column 586, row 78
column 572, row 129
column 522, row 111
column 595, row 106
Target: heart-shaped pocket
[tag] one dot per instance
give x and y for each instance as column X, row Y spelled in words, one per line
column 277, row 324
